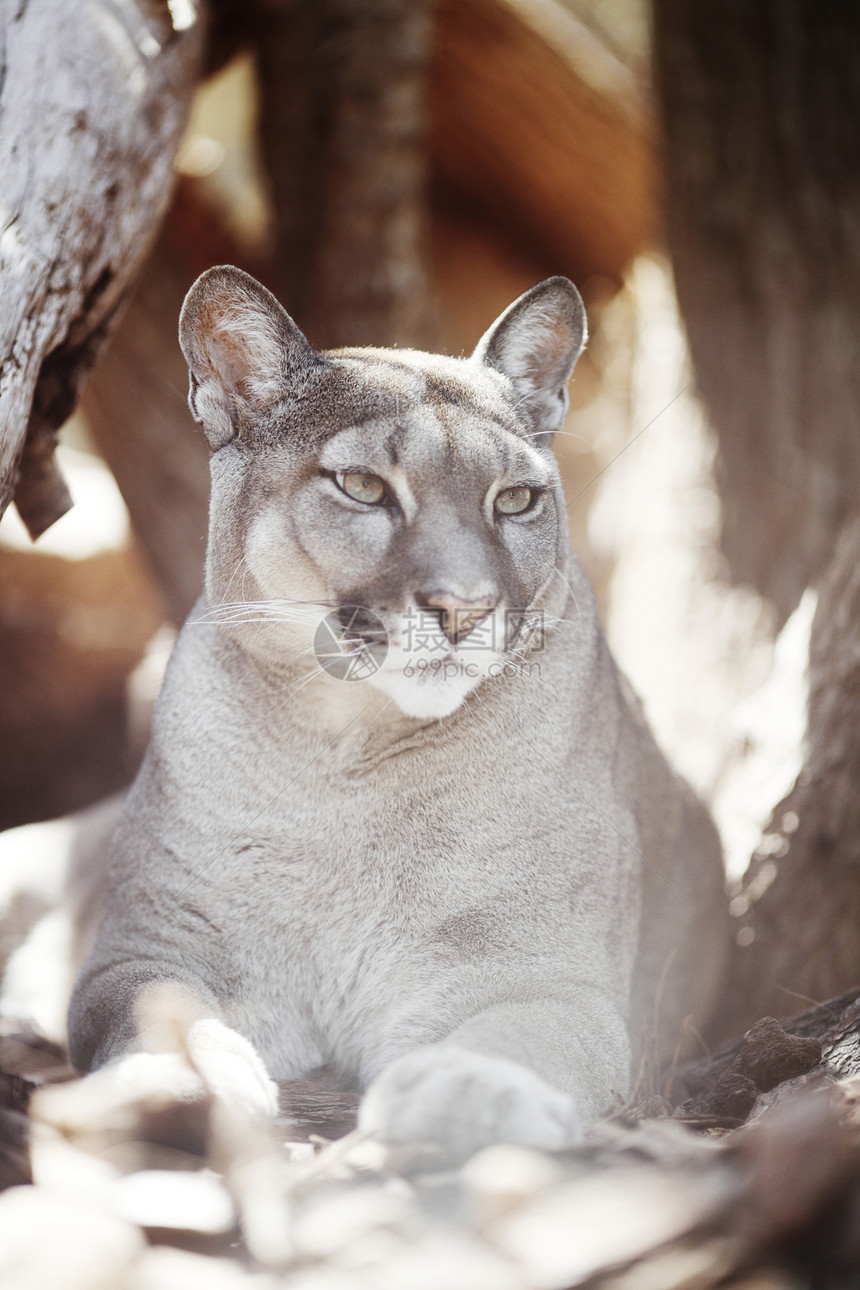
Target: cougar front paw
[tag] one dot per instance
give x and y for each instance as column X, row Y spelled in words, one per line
column 232, row 1069
column 222, row 1063
column 464, row 1101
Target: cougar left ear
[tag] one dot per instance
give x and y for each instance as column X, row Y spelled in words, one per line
column 535, row 343
column 243, row 352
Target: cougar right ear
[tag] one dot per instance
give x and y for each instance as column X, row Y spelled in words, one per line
column 535, row 344
column 243, row 352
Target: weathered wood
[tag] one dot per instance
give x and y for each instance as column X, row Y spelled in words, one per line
column 825, row 1038
column 92, row 102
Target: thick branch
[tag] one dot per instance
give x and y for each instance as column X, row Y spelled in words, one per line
column 91, row 107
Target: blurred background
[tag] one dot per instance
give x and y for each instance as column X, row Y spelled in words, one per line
column 398, row 171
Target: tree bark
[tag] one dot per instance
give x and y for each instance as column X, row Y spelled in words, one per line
column 343, row 86
column 798, row 908
column 824, row 1039
column 92, row 103
column 759, row 103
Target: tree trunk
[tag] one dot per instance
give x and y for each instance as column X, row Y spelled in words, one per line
column 798, row 909
column 343, row 86
column 92, row 102
column 763, row 203
column 759, row 103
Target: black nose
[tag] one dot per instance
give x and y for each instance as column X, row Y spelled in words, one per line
column 457, row 617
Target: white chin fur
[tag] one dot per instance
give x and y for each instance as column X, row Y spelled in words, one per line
column 430, row 693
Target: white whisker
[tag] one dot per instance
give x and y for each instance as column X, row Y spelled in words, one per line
column 242, row 612
column 540, row 434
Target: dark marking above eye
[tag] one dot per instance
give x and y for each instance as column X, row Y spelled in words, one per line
column 391, row 446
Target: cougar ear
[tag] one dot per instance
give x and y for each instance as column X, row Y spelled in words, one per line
column 536, row 343
column 243, row 351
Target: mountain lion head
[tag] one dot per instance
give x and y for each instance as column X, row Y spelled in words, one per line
column 407, row 504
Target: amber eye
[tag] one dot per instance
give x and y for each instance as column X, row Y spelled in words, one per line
column 513, row 501
column 362, row 486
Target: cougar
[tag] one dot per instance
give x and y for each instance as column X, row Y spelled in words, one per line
column 400, row 814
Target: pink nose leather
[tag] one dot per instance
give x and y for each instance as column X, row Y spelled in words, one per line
column 459, row 617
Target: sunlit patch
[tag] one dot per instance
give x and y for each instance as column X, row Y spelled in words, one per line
column 182, row 14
